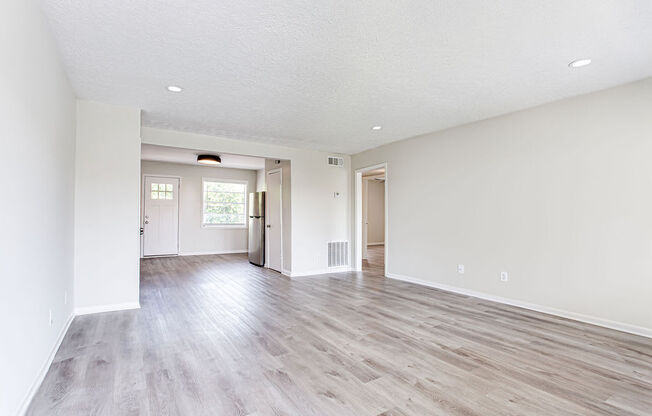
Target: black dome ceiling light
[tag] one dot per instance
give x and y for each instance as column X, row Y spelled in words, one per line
column 209, row 159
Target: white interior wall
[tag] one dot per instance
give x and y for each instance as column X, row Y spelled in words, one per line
column 193, row 238
column 260, row 180
column 37, row 106
column 375, row 212
column 559, row 196
column 107, row 216
column 317, row 215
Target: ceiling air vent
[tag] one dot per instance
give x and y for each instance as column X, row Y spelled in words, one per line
column 335, row 161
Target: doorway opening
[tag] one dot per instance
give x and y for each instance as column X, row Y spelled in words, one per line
column 191, row 208
column 371, row 247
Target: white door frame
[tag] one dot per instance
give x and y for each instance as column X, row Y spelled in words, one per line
column 280, row 197
column 358, row 215
column 142, row 211
column 365, row 218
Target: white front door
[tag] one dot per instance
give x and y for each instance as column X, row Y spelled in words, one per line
column 161, row 216
column 273, row 220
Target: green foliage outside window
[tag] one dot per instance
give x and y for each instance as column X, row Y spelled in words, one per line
column 224, row 203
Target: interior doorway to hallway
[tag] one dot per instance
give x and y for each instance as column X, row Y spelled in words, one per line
column 371, row 218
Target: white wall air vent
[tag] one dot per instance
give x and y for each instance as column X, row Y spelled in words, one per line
column 338, row 253
column 335, row 161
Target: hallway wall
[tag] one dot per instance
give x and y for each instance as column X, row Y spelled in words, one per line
column 375, row 212
column 559, row 196
column 37, row 171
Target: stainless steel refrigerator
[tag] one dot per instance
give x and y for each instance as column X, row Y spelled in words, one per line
column 257, row 228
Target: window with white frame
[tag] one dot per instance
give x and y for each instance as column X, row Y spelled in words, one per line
column 224, row 203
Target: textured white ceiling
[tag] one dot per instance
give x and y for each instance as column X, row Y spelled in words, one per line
column 319, row 74
column 189, row 157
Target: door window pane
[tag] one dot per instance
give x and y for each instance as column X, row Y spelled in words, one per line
column 162, row 191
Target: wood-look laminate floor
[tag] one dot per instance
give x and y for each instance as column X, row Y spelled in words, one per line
column 375, row 261
column 217, row 336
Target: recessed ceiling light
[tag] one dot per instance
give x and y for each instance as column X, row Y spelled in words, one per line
column 209, row 159
column 174, row 88
column 580, row 63
column 376, row 127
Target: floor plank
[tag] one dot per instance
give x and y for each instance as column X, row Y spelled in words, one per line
column 218, row 336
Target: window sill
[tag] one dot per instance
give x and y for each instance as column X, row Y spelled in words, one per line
column 228, row 227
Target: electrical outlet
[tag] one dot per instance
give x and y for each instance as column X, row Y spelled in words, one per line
column 504, row 276
column 460, row 268
column 50, row 320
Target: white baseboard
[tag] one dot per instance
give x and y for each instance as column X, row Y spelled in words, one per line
column 379, row 243
column 618, row 326
column 86, row 310
column 44, row 369
column 341, row 269
column 286, row 272
column 208, row 253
